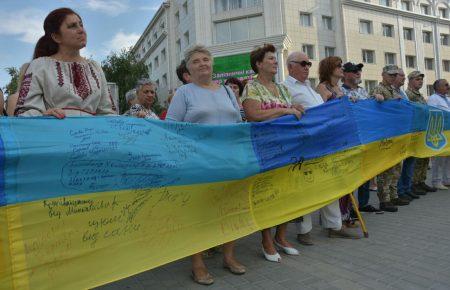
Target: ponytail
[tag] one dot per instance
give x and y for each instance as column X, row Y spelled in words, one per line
column 45, row 46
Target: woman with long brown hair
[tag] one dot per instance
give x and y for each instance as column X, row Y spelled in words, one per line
column 59, row 81
column 330, row 73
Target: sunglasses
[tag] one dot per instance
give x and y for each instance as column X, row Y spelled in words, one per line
column 393, row 75
column 303, row 63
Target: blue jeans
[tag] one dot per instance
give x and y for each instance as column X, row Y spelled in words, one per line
column 364, row 194
column 405, row 181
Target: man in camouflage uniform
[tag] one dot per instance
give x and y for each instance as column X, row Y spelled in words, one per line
column 419, row 187
column 387, row 181
column 404, row 186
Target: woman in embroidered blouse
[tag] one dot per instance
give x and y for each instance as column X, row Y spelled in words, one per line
column 263, row 99
column 145, row 97
column 330, row 73
column 205, row 102
column 59, row 82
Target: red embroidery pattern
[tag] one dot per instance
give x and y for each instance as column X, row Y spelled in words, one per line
column 94, row 76
column 24, row 89
column 81, row 83
column 112, row 102
column 60, row 75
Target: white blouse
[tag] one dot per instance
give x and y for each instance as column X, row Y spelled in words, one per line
column 79, row 88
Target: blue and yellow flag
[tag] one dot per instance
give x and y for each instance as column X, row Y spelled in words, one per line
column 86, row 201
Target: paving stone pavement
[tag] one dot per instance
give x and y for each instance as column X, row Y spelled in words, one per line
column 405, row 250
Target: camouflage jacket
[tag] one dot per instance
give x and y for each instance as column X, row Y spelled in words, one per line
column 415, row 96
column 385, row 90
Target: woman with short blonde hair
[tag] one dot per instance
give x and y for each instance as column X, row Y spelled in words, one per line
column 205, row 102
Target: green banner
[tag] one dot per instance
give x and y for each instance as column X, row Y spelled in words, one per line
column 237, row 66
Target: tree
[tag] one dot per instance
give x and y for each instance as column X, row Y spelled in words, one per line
column 11, row 87
column 123, row 69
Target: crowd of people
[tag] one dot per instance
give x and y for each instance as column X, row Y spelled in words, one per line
column 59, row 82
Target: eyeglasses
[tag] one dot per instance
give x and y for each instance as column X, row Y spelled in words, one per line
column 393, row 75
column 303, row 63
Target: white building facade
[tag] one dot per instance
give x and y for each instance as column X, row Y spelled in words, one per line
column 413, row 34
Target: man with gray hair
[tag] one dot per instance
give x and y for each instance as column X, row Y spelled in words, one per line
column 387, row 180
column 440, row 169
column 399, row 82
column 299, row 87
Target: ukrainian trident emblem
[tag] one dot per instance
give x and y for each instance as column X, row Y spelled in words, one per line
column 435, row 138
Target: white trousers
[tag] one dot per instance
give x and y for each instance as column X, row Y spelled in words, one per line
column 440, row 170
column 330, row 216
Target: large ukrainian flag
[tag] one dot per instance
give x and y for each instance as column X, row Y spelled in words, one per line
column 86, row 201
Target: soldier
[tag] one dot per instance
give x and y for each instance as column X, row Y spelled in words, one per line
column 419, row 187
column 387, row 181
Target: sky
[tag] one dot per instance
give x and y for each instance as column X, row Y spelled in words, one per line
column 110, row 25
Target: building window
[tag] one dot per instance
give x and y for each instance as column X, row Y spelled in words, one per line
column 446, row 65
column 430, row 90
column 156, row 62
column 163, row 55
column 308, row 49
column 327, row 22
column 425, row 9
column 429, row 63
column 157, row 83
column 329, row 51
column 185, row 8
column 444, row 39
column 443, row 12
column 239, row 29
column 164, row 80
column 427, row 37
column 177, row 18
column 186, row 38
column 365, row 27
column 162, row 25
column 390, row 58
column 370, row 85
column 406, row 5
column 410, row 61
column 313, row 82
column 408, row 33
column 305, row 19
column 149, row 41
column 150, row 68
column 388, row 30
column 155, row 35
column 143, row 50
column 368, row 56
column 226, row 5
column 387, row 3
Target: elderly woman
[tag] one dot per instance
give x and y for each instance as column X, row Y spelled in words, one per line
column 205, row 102
column 145, row 97
column 263, row 99
column 59, row 81
column 330, row 73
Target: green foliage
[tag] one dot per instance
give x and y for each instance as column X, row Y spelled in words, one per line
column 123, row 69
column 11, row 87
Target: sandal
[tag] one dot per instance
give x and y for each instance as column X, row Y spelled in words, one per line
column 207, row 280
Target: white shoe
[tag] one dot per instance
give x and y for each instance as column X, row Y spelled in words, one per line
column 440, row 186
column 272, row 258
column 288, row 250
